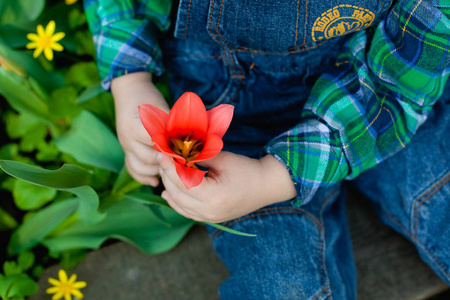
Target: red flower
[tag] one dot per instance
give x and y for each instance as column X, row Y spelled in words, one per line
column 188, row 134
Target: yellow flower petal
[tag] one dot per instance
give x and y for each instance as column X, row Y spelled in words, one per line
column 73, row 278
column 57, row 296
column 62, row 274
column 37, row 52
column 79, row 285
column 67, row 297
column 48, row 52
column 57, row 47
column 33, row 37
column 52, row 290
column 77, row 293
column 40, row 30
column 54, row 281
column 32, row 45
column 50, row 29
column 57, row 36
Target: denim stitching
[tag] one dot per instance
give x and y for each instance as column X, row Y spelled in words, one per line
column 306, row 22
column 244, row 49
column 296, row 25
column 424, row 197
column 326, row 288
column 439, row 264
column 187, row 19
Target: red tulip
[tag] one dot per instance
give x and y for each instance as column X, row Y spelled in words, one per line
column 189, row 133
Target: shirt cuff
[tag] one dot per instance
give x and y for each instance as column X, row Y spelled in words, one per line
column 127, row 46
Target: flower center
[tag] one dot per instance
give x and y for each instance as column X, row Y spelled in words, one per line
column 44, row 41
column 186, row 147
column 65, row 288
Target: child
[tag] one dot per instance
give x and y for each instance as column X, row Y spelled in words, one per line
column 323, row 91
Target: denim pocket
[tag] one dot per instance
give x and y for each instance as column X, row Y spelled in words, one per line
column 273, row 26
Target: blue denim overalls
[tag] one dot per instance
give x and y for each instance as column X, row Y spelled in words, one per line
column 263, row 57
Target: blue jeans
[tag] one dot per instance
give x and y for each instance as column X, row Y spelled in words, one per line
column 303, row 252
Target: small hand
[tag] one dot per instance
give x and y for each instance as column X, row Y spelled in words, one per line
column 236, row 185
column 129, row 92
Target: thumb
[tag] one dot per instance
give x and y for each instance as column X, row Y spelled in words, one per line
column 215, row 162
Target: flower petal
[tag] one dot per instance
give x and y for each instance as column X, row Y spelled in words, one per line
column 188, row 115
column 48, row 52
column 33, row 37
column 52, row 290
column 211, row 148
column 67, row 297
column 40, row 30
column 57, row 296
column 154, row 120
column 31, row 45
column 219, row 119
column 79, row 284
column 166, row 150
column 77, row 293
column 54, row 281
column 189, row 176
column 50, row 29
column 72, row 278
column 62, row 275
column 37, row 52
column 57, row 47
column 57, row 36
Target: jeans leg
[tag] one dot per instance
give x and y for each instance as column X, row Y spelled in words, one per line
column 299, row 253
column 411, row 191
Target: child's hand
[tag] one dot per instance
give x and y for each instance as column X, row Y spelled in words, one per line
column 236, row 185
column 129, row 92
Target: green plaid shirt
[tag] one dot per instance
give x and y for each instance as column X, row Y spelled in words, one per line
column 360, row 112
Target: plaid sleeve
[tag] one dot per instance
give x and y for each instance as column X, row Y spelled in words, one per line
column 125, row 35
column 370, row 104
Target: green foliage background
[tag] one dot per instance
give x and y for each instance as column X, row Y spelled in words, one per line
column 63, row 185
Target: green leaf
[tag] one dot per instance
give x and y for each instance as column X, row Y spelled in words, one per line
column 221, row 227
column 17, row 125
column 34, row 138
column 6, row 221
column 39, row 225
column 13, row 11
column 28, row 196
column 68, row 178
column 62, row 103
column 127, row 221
column 124, row 183
column 21, row 97
column 90, row 92
column 48, row 80
column 91, row 142
column 82, row 75
column 22, row 286
column 25, row 260
column 11, row 268
column 65, row 178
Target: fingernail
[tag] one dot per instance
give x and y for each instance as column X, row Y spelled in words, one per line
column 160, row 171
column 164, row 195
column 159, row 157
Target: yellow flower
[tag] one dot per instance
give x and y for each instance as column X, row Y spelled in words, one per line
column 65, row 287
column 45, row 40
column 70, row 2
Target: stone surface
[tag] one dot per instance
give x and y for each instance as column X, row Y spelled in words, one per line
column 388, row 267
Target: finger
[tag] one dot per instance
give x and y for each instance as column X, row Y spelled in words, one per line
column 179, row 195
column 146, row 154
column 168, row 166
column 145, row 176
column 182, row 211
